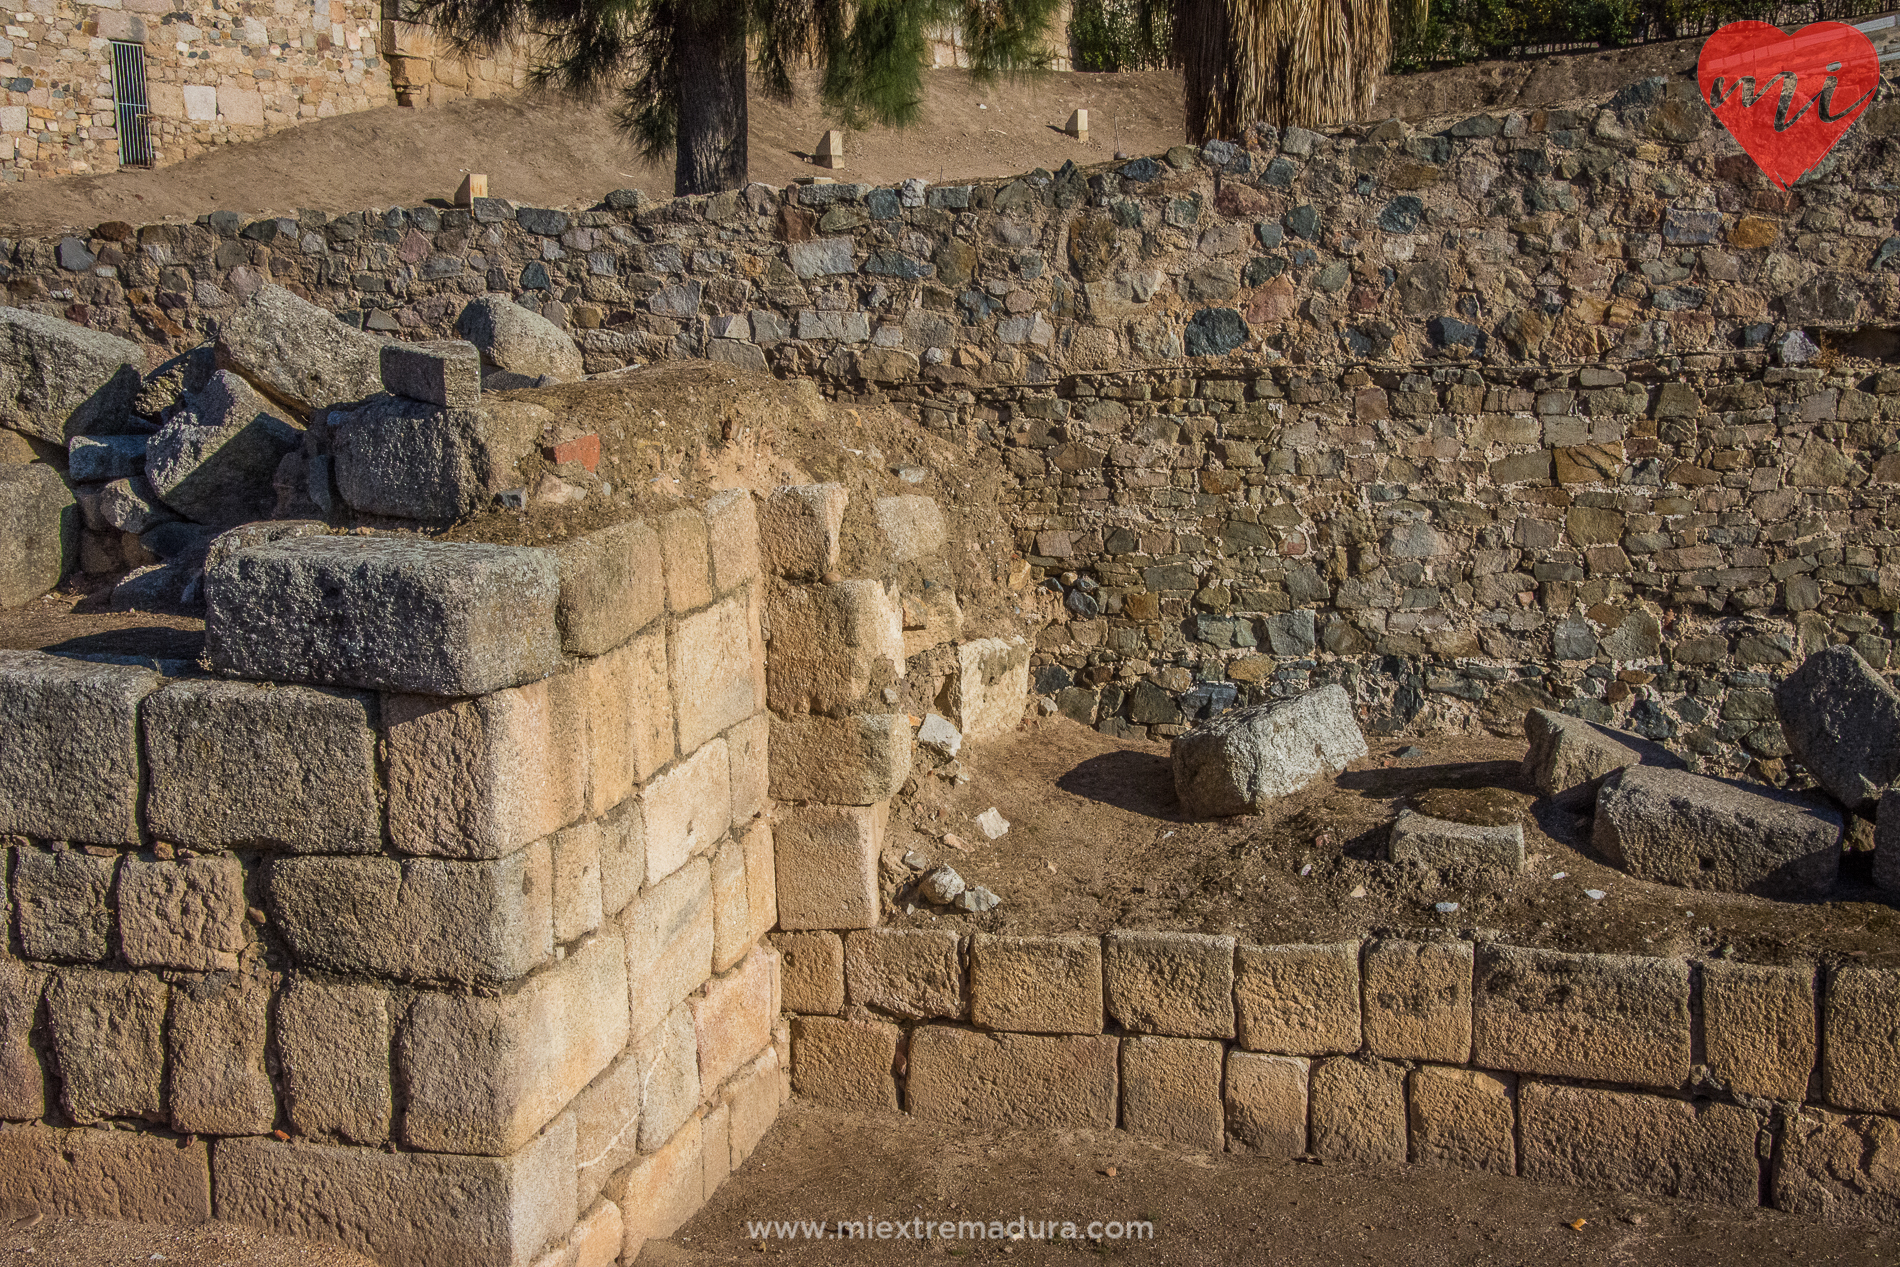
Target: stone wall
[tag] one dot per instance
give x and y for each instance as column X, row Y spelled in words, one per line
column 1718, row 1081
column 452, row 957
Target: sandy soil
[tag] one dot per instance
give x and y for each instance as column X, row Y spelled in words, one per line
column 30, row 1239
column 1097, row 841
column 551, row 151
column 826, row 1164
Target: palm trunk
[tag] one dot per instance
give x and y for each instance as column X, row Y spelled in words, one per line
column 710, row 56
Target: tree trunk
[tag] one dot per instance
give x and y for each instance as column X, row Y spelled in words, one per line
column 709, row 52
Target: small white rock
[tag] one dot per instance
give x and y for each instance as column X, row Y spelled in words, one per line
column 992, row 823
column 941, row 886
column 1446, row 908
column 977, row 899
column 1595, row 895
column 938, row 733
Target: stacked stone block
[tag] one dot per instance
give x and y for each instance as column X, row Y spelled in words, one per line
column 445, row 942
column 1572, row 1068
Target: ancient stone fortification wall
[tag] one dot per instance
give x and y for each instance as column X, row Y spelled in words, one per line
column 1714, row 1081
column 450, row 954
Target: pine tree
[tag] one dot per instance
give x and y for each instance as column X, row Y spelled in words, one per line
column 679, row 66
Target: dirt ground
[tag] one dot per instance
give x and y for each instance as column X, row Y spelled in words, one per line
column 551, row 151
column 824, row 1164
column 1097, row 841
column 29, row 1239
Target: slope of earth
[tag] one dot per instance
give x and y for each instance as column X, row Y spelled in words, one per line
column 826, row 1164
column 1097, row 841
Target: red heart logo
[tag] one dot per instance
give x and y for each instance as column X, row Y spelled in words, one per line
column 1788, row 98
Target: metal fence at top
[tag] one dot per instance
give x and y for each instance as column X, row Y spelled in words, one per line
column 1466, row 30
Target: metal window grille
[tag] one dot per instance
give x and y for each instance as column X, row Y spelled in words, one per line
column 128, row 96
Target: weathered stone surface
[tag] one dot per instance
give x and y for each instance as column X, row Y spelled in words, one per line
column 612, row 587
column 847, row 1064
column 129, row 505
column 575, row 857
column 990, row 688
column 1433, row 842
column 108, row 1040
column 101, row 458
column 1248, row 757
column 1036, row 985
column 1265, row 1098
column 607, row 1125
column 914, row 973
column 667, row 1061
column 1887, row 841
column 1758, row 1027
column 686, row 560
column 418, row 919
column 69, row 764
column 219, row 1084
column 1695, row 1150
column 39, row 531
column 1358, row 1111
column 187, row 914
column 830, row 644
column 482, row 778
column 214, row 460
column 1464, row 1119
column 746, row 745
column 1613, row 1018
column 512, row 339
column 1842, row 721
column 430, row 618
column 661, row 1191
column 138, row 1176
column 798, row 530
column 333, row 1049
column 624, row 701
column 411, row 460
column 716, row 659
column 1298, row 1000
column 428, row 1210
column 1177, row 984
column 623, row 855
column 687, row 809
column 1841, row 1167
column 989, row 1080
column 858, row 760
column 913, row 526
column 1568, row 752
column 1860, row 1064
column 733, row 1017
column 732, row 539
column 58, row 380
column 62, row 904
column 669, row 931
column 827, row 858
column 484, row 1074
column 755, row 1104
column 761, row 880
column 444, row 372
column 1418, row 1000
column 298, row 354
column 238, row 765
column 812, row 972
column 22, row 1080
column 1171, row 1089
column 1703, row 833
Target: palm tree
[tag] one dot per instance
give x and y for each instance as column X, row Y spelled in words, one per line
column 679, row 66
column 1281, row 62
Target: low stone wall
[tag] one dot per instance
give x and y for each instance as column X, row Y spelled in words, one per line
column 1711, row 1080
column 432, row 926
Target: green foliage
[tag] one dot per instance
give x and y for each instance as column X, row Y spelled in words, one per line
column 1111, row 35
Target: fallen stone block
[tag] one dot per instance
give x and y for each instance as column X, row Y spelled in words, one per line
column 991, row 1080
column 444, row 372
column 1463, row 1119
column 298, row 354
column 1171, row 1089
column 1433, row 842
column 101, row 458
column 430, row 618
column 990, row 688
column 1176, row 984
column 411, row 460
column 1758, row 1027
column 1842, row 722
column 912, row 525
column 236, row 764
column 1684, row 829
column 798, row 530
column 1610, row 1018
column 214, row 460
column 137, row 1176
column 1358, row 1111
column 59, row 380
column 160, row 587
column 516, row 341
column 859, row 760
column 1887, row 841
column 1619, row 1142
column 423, row 1209
column 1840, row 1167
column 39, row 532
column 132, row 505
column 1248, row 757
column 1569, row 753
column 1265, row 1098
column 69, row 754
